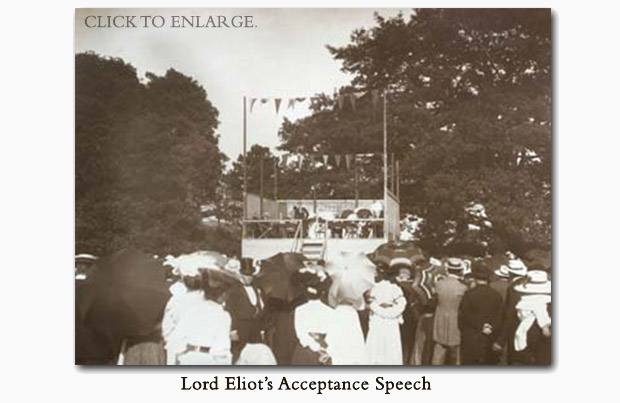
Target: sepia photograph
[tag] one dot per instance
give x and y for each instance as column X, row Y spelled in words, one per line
column 313, row 187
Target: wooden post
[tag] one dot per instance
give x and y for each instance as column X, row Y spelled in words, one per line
column 357, row 194
column 385, row 169
column 398, row 179
column 261, row 184
column 245, row 165
column 275, row 179
column 393, row 175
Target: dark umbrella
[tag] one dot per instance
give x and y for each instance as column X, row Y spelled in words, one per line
column 395, row 252
column 538, row 259
column 274, row 278
column 126, row 296
column 363, row 213
column 346, row 213
column 424, row 281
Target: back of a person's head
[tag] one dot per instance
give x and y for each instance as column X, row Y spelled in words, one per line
column 192, row 283
column 215, row 284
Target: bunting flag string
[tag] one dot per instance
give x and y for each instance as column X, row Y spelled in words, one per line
column 278, row 101
column 352, row 100
column 347, row 159
column 340, row 101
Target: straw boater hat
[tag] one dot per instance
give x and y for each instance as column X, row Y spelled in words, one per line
column 537, row 283
column 515, row 267
column 454, row 264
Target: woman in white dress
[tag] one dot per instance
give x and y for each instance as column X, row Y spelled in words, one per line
column 346, row 295
column 383, row 344
column 313, row 320
column 197, row 327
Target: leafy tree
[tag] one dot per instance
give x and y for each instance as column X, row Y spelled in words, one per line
column 147, row 157
column 468, row 116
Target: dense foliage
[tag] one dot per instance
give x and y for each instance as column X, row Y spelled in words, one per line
column 146, row 158
column 468, row 116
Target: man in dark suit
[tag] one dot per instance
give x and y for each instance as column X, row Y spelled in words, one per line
column 245, row 305
column 480, row 314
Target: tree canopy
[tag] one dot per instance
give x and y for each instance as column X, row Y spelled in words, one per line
column 468, row 115
column 146, row 158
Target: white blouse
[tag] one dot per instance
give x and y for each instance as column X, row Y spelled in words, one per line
column 193, row 320
column 313, row 317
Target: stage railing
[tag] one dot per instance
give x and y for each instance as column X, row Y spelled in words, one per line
column 314, row 228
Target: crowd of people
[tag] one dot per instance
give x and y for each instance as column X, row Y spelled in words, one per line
column 478, row 315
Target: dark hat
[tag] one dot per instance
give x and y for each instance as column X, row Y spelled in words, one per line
column 247, row 266
column 312, row 278
column 480, row 270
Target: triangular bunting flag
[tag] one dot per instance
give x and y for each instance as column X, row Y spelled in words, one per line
column 291, row 103
column 352, row 99
column 340, row 101
column 278, row 102
column 325, row 159
column 338, row 159
column 347, row 159
column 252, row 102
column 375, row 99
column 284, row 159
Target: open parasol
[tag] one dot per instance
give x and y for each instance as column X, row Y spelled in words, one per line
column 352, row 274
column 126, row 295
column 346, row 213
column 274, row 278
column 363, row 212
column 398, row 252
column 190, row 264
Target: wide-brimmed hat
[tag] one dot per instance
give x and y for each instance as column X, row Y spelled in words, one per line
column 312, row 278
column 537, row 283
column 455, row 264
column 502, row 271
column 233, row 265
column 515, row 267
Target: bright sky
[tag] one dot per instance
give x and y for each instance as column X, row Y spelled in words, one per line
column 283, row 56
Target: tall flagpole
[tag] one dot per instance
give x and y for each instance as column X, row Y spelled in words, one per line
column 398, row 179
column 385, row 167
column 275, row 179
column 262, row 173
column 245, row 166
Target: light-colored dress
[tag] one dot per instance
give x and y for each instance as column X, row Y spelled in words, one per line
column 311, row 319
column 347, row 339
column 383, row 343
column 193, row 321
